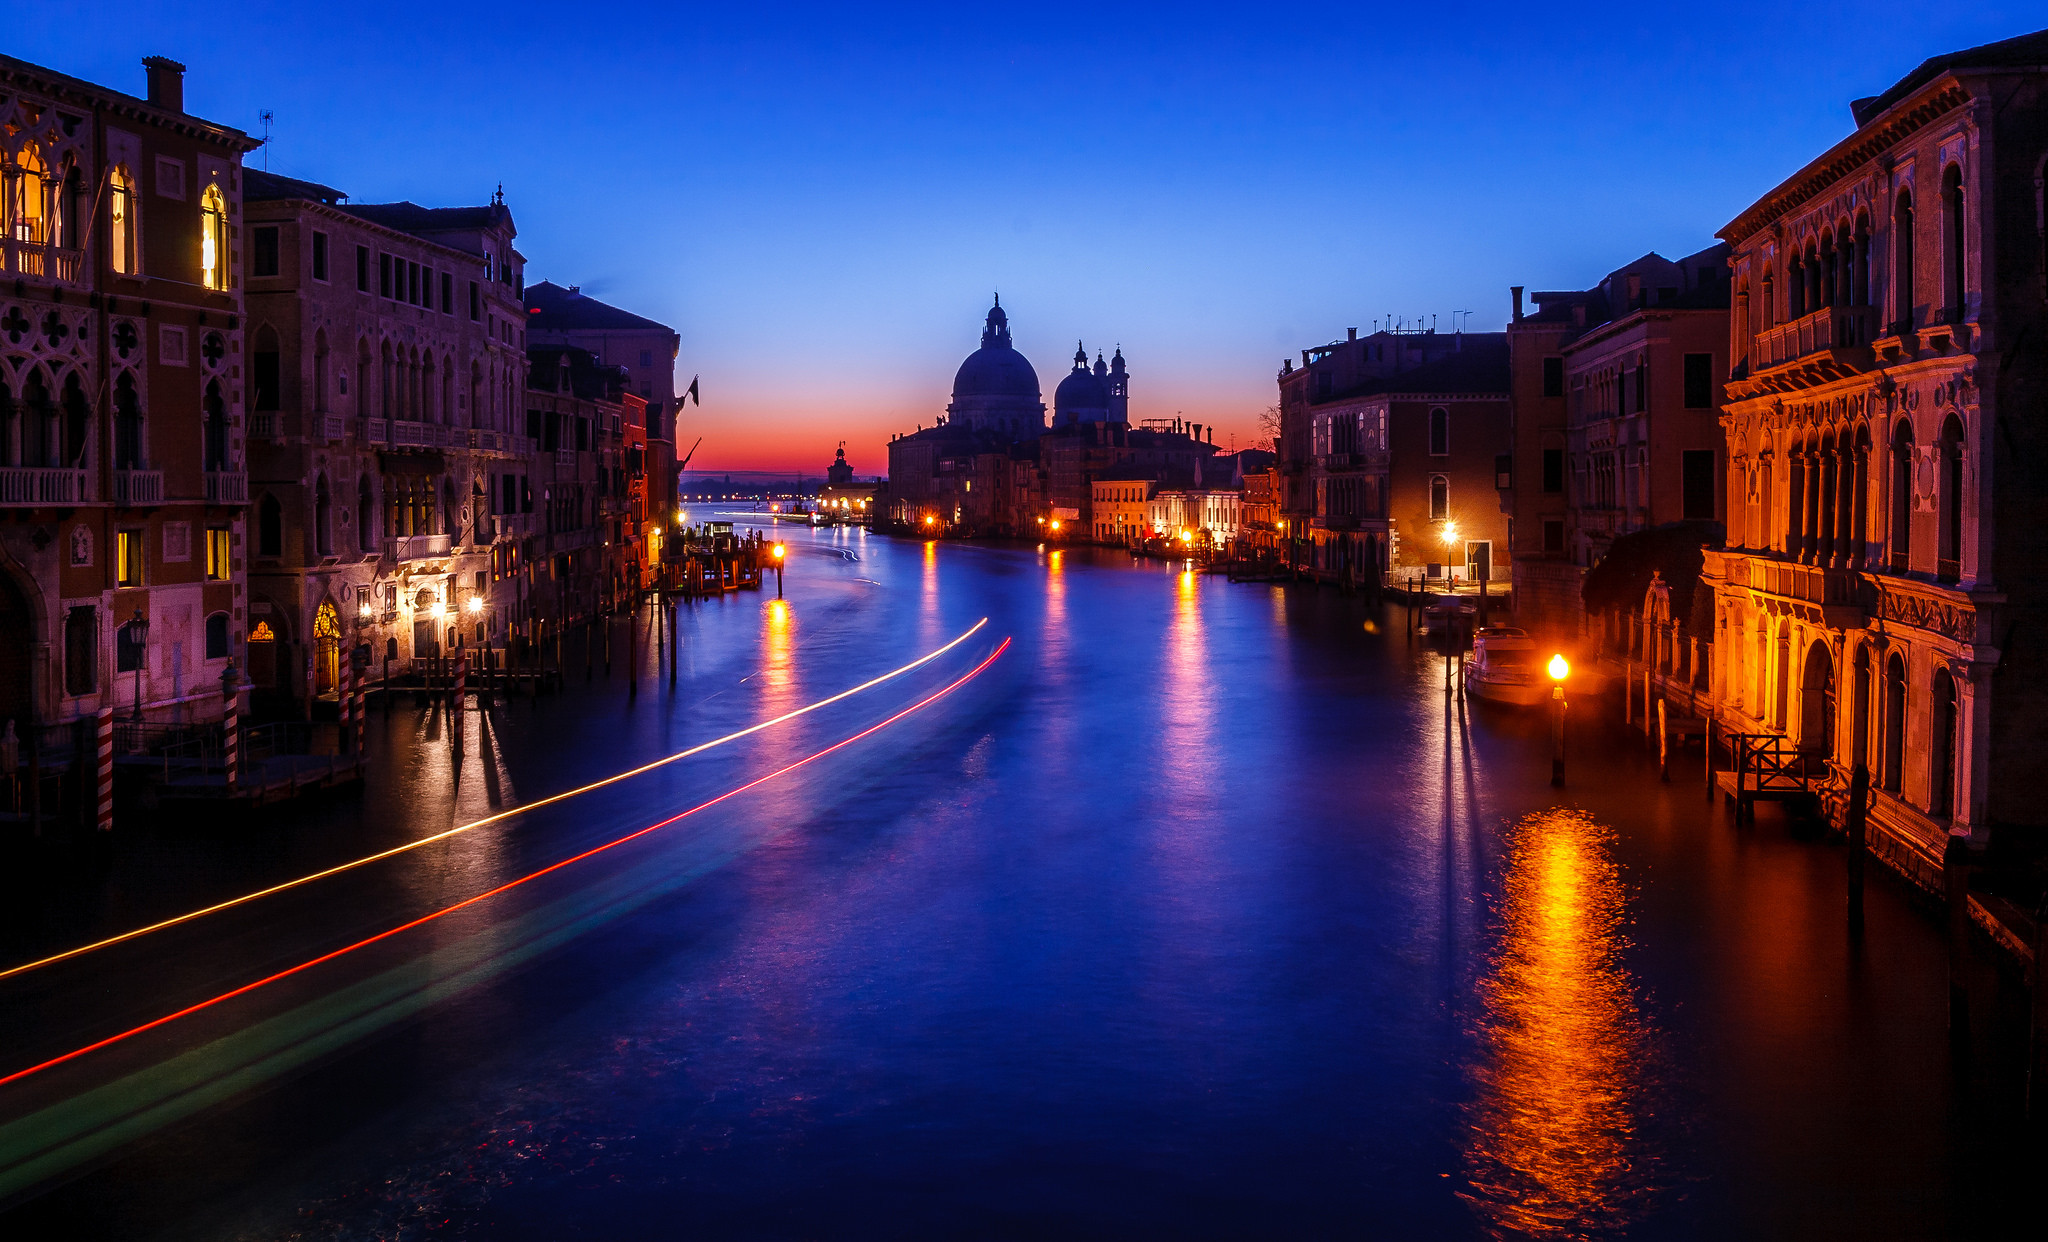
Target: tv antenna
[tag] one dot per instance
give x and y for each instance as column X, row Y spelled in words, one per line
column 266, row 116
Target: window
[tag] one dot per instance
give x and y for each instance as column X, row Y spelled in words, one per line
column 320, row 256
column 121, row 230
column 447, row 293
column 213, row 239
column 269, row 527
column 1553, row 470
column 476, row 303
column 81, row 649
column 383, row 275
column 1439, row 432
column 265, row 373
column 646, row 357
column 128, row 558
column 1902, row 261
column 1949, row 560
column 362, row 269
column 127, row 652
column 1699, row 381
column 264, row 257
column 1894, row 722
column 1955, row 260
column 1640, row 380
column 411, row 292
column 1553, row 377
column 1553, row 536
column 128, row 453
column 1902, row 497
column 217, row 636
column 217, row 546
column 1941, row 783
column 1503, row 471
column 1697, row 472
column 1439, row 498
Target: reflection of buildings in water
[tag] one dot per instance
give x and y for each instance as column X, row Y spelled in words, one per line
column 1554, row 1142
column 1190, row 692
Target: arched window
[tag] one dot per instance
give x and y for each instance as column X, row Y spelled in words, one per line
column 428, row 390
column 38, row 421
column 213, row 239
column 365, row 368
column 1828, row 270
column 28, row 196
column 1766, row 507
column 1954, row 260
column 1902, row 262
column 1949, row 545
column 266, row 371
column 1941, row 766
column 1901, row 532
column 76, row 422
column 121, row 222
column 448, row 413
column 366, row 514
column 269, row 527
column 1795, row 516
column 1795, row 284
column 1859, row 499
column 389, row 375
column 1859, row 710
column 1817, row 702
column 1782, row 701
column 128, row 444
column 216, row 427
column 1439, row 498
column 1439, row 432
column 1767, row 307
column 1894, row 721
column 217, row 636
column 1859, row 292
column 451, row 518
column 476, row 388
column 323, row 517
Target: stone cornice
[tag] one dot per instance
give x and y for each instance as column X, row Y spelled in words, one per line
column 1901, row 121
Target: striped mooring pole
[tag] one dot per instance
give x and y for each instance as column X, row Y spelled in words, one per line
column 344, row 701
column 231, row 727
column 105, row 769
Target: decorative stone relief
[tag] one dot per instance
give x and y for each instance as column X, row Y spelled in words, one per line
column 1937, row 616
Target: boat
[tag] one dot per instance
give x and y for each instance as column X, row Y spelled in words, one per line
column 1504, row 667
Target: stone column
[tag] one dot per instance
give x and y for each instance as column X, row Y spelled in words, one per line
column 1973, row 745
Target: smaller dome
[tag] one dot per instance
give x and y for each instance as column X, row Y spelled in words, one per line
column 1082, row 396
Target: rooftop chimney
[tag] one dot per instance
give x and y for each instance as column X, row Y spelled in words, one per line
column 1351, row 334
column 575, row 290
column 166, row 82
column 1517, row 291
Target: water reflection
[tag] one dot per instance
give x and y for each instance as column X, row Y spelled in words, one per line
column 1555, row 1141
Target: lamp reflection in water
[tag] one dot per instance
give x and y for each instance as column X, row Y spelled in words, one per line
column 1564, row 1060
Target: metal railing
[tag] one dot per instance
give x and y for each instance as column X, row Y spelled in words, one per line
column 419, row 547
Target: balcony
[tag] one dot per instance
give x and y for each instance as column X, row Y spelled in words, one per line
column 263, row 425
column 34, row 261
column 415, row 435
column 328, row 427
column 376, row 431
column 1827, row 344
column 43, row 485
column 138, row 487
column 421, row 547
column 1836, row 598
column 225, row 487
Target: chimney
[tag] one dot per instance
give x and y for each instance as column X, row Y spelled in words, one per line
column 166, row 83
column 1351, row 334
column 1517, row 291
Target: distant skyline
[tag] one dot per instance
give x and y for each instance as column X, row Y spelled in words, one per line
column 822, row 200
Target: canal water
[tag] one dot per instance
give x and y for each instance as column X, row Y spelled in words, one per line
column 1157, row 905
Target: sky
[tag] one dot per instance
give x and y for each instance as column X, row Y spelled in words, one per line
column 822, row 199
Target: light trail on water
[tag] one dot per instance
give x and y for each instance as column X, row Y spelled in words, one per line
column 509, row 885
column 500, row 817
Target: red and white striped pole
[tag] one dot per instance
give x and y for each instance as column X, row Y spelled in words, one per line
column 105, row 769
column 344, row 701
column 455, row 700
column 231, row 728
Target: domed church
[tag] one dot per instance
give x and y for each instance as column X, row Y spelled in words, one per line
column 1102, row 395
column 996, row 389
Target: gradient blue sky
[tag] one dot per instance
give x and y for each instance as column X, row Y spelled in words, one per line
column 820, row 199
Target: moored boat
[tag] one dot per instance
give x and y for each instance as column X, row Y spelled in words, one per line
column 1504, row 668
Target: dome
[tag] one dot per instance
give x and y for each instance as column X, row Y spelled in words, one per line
column 1081, row 393
column 995, row 371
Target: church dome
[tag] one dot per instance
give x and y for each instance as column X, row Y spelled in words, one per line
column 995, row 371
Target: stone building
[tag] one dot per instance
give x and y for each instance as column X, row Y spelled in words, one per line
column 1616, row 406
column 1387, row 442
column 619, row 338
column 387, row 373
column 1885, row 558
column 585, row 542
column 122, row 374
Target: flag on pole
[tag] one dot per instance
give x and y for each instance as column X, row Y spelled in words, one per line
column 691, row 394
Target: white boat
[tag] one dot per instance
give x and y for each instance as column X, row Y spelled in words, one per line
column 1504, row 667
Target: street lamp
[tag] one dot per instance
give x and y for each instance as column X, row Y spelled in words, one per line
column 137, row 630
column 1560, row 668
column 1450, row 541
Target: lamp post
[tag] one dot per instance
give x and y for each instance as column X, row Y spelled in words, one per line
column 137, row 630
column 778, row 570
column 1450, row 566
column 1560, row 668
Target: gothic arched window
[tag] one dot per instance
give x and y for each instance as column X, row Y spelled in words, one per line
column 213, row 239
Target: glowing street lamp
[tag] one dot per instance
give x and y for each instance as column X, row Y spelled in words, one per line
column 476, row 605
column 1560, row 668
column 1450, row 542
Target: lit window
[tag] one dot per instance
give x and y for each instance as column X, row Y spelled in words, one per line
column 217, row 545
column 121, row 221
column 213, row 239
column 128, row 558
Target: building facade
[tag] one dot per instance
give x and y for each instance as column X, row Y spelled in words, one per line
column 122, row 374
column 1885, row 560
column 388, row 375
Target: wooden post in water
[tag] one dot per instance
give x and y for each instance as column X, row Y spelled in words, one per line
column 1663, row 743
column 1955, row 871
column 674, row 640
column 1855, row 826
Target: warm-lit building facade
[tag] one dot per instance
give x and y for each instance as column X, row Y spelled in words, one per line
column 122, row 371
column 1886, row 558
column 387, row 431
column 1121, row 507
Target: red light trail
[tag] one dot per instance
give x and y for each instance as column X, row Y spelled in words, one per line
column 367, row 859
column 509, row 885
